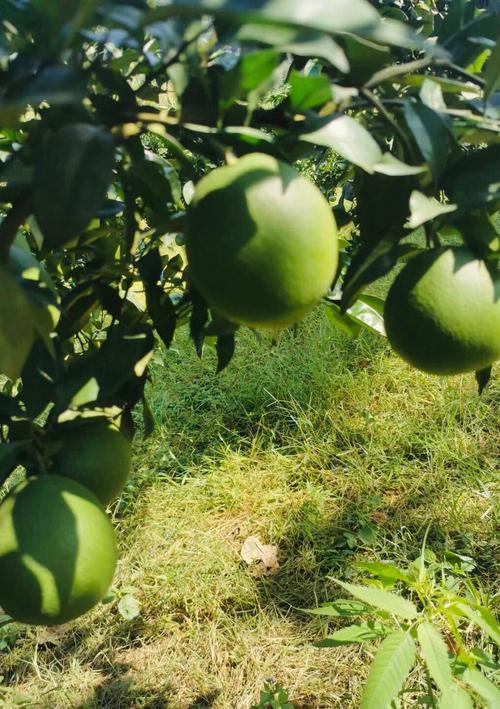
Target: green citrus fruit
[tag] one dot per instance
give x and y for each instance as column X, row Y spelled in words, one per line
column 96, row 455
column 261, row 242
column 442, row 312
column 57, row 551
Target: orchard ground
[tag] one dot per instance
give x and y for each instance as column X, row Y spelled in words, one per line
column 332, row 450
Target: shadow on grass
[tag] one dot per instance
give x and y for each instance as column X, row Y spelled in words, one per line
column 123, row 692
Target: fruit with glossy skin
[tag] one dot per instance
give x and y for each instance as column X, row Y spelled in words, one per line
column 442, row 313
column 96, row 455
column 261, row 242
column 57, row 551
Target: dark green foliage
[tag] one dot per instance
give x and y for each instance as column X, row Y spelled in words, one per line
column 111, row 112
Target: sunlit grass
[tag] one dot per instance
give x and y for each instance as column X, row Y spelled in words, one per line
column 328, row 448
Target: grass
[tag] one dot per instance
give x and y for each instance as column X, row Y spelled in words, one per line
column 332, row 450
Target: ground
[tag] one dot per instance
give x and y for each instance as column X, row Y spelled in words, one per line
column 328, row 448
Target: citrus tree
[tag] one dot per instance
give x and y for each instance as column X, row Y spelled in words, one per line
column 157, row 168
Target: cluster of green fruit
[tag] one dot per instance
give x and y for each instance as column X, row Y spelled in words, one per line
column 57, row 545
column 262, row 250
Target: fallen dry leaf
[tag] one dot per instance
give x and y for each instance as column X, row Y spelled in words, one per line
column 53, row 635
column 262, row 557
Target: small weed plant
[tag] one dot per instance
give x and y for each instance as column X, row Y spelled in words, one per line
column 428, row 615
column 273, row 696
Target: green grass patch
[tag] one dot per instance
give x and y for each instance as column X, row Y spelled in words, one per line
column 332, row 450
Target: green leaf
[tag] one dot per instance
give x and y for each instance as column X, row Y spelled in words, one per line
column 365, row 58
column 430, row 134
column 17, row 325
column 482, row 686
column 455, row 698
column 348, row 138
column 129, row 607
column 424, row 209
column 251, row 71
column 435, row 654
column 353, row 142
column 481, row 616
column 101, row 376
column 483, row 376
column 354, row 634
column 431, row 94
column 392, row 664
column 459, row 13
column 304, row 43
column 379, row 568
column 341, row 608
column 58, row 85
column 71, row 179
column 224, row 347
column 308, row 91
column 383, row 600
column 40, row 290
column 478, row 230
column 342, row 321
column 474, row 180
column 492, row 72
column 368, row 316
column 9, row 455
column 38, row 377
column 391, row 166
column 463, row 50
column 342, row 16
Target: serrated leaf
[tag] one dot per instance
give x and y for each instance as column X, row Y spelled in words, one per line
column 393, row 662
column 341, row 608
column 455, row 698
column 71, row 179
column 382, row 570
column 383, row 600
column 435, row 654
column 354, row 634
column 482, row 686
column 424, row 209
column 482, row 617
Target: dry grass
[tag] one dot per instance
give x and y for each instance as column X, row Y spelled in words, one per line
column 303, row 445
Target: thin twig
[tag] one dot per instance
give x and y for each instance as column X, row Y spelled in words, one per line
column 466, row 74
column 392, row 71
column 376, row 103
column 157, row 70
